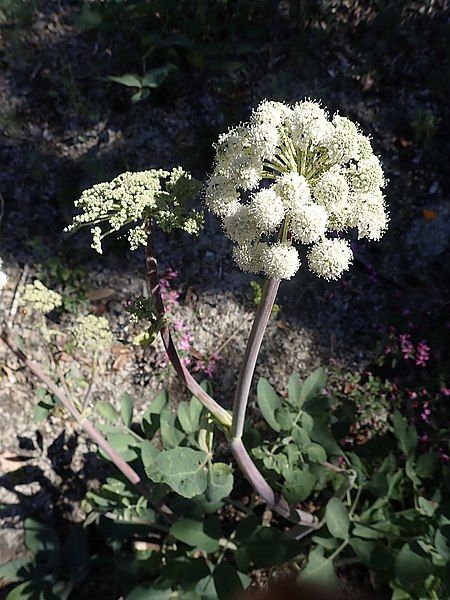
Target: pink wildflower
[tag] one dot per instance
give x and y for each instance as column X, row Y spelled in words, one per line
column 422, row 353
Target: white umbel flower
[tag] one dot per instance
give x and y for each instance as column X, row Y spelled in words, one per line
column 279, row 260
column 293, row 174
column 309, row 224
column 331, row 191
column 368, row 214
column 330, row 258
column 248, row 257
column 294, row 192
column 240, row 226
column 266, row 210
column 3, row 276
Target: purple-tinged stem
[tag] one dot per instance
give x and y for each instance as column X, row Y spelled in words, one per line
column 92, row 432
column 252, row 349
column 193, row 386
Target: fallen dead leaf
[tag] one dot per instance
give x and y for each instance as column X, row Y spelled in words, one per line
column 99, row 294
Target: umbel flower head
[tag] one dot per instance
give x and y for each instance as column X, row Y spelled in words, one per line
column 294, row 175
column 130, row 199
column 38, row 297
column 91, row 333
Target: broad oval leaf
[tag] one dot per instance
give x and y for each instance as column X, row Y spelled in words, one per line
column 320, row 570
column 126, row 408
column 312, row 385
column 183, row 469
column 128, row 79
column 268, row 402
column 194, row 533
column 336, row 517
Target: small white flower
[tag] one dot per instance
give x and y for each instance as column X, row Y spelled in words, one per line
column 342, row 144
column 279, row 260
column 366, row 175
column 309, row 124
column 240, row 227
column 294, row 191
column 309, row 223
column 248, row 257
column 368, row 214
column 266, row 210
column 331, row 191
column 330, row 258
column 364, row 146
column 221, row 196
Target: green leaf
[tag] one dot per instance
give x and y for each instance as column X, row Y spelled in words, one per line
column 313, row 384
column 320, row 570
column 266, row 546
column 268, row 402
column 183, row 469
column 149, row 592
column 16, row 569
column 405, row 434
column 149, row 335
column 229, row 582
column 123, row 443
column 171, row 436
column 24, row 591
column 195, row 533
column 411, row 567
column 126, row 408
column 298, row 485
column 336, row 518
column 284, row 417
column 185, row 570
column 184, row 416
column 158, row 403
column 149, row 452
column 128, row 80
column 426, row 465
column 442, row 541
column 220, row 481
column 316, row 453
column 321, row 435
column 363, row 550
column 155, row 77
column 43, row 540
column 294, row 390
column 107, row 411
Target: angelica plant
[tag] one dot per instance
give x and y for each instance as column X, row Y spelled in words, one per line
column 290, row 177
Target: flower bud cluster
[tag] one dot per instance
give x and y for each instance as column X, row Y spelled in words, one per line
column 91, row 334
column 130, row 199
column 36, row 296
column 294, row 175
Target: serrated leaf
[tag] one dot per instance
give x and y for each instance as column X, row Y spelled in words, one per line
column 128, row 79
column 312, row 385
column 126, row 408
column 107, row 411
column 320, row 570
column 183, row 469
column 195, row 533
column 268, row 402
column 336, row 518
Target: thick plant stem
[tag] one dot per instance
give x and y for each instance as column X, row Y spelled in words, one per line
column 222, row 416
column 251, row 355
column 91, row 431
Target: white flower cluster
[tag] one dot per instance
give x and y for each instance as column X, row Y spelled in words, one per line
column 3, row 276
column 293, row 174
column 91, row 333
column 132, row 198
column 38, row 297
